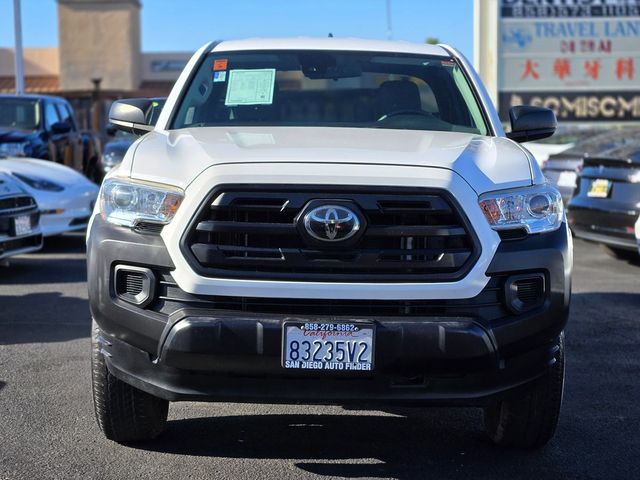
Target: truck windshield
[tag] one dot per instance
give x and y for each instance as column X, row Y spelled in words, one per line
column 330, row 88
column 19, row 114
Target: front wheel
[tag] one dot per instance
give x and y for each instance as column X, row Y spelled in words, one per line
column 124, row 413
column 529, row 420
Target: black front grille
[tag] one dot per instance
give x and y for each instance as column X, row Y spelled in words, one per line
column 15, row 204
column 410, row 235
column 13, row 207
column 488, row 305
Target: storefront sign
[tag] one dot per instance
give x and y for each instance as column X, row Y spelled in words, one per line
column 581, row 57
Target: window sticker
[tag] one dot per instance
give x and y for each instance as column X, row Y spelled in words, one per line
column 188, row 118
column 251, row 87
column 220, row 64
column 219, row 76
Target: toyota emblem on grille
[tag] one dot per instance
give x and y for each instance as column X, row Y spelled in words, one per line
column 331, row 223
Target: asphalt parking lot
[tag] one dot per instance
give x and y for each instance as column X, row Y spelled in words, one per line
column 47, row 429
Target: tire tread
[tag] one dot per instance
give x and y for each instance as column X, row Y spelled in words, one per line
column 123, row 412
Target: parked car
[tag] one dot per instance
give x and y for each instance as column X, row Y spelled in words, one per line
column 607, row 202
column 19, row 220
column 65, row 196
column 562, row 168
column 329, row 221
column 41, row 126
column 115, row 149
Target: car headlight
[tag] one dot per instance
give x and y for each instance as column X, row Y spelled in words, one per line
column 126, row 203
column 537, row 209
column 110, row 160
column 15, row 149
column 39, row 183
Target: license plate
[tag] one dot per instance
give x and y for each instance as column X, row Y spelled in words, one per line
column 344, row 347
column 567, row 179
column 22, row 225
column 599, row 188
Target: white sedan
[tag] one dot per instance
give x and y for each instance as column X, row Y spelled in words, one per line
column 65, row 197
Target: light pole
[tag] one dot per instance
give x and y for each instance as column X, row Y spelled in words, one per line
column 17, row 28
column 389, row 29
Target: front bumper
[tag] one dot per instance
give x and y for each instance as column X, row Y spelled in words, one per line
column 612, row 226
column 66, row 211
column 11, row 246
column 194, row 347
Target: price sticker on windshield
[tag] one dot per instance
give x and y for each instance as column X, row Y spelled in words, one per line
column 250, row 87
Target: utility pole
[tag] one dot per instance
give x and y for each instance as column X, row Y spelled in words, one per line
column 389, row 29
column 17, row 28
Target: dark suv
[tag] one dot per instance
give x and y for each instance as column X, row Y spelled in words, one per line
column 41, row 126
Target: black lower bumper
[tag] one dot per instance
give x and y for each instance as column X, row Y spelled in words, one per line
column 207, row 348
column 612, row 227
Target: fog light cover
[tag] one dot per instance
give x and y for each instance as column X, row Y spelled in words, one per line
column 135, row 285
column 525, row 292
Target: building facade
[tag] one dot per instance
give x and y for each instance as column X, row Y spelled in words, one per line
column 98, row 60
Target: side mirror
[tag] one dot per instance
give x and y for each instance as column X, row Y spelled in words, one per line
column 60, row 128
column 131, row 115
column 531, row 123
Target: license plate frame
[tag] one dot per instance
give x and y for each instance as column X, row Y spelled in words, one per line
column 599, row 188
column 22, row 225
column 322, row 332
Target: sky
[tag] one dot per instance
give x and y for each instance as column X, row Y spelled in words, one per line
column 185, row 25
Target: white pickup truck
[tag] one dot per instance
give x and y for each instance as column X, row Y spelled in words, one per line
column 329, row 221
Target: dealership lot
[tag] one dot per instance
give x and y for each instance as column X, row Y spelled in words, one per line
column 48, row 429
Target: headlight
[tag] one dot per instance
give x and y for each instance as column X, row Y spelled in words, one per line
column 127, row 203
column 537, row 209
column 14, row 149
column 110, row 160
column 39, row 183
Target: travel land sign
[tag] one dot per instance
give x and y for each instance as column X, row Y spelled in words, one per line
column 578, row 57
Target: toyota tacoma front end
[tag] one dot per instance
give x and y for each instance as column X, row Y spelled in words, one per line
column 329, row 221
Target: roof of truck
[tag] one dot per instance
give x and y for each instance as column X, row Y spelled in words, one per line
column 330, row 43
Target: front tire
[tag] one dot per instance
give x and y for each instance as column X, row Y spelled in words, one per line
column 124, row 413
column 529, row 421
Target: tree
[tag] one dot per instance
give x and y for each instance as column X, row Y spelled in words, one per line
column 432, row 40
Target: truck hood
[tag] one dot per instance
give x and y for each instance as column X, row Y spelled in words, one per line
column 178, row 157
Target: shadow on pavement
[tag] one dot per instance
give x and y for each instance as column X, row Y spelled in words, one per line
column 33, row 270
column 599, row 415
column 427, row 443
column 69, row 243
column 2, row 384
column 54, row 267
column 43, row 318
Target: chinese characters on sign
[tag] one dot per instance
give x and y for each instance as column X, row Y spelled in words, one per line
column 579, row 57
